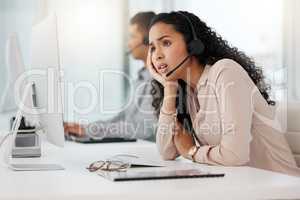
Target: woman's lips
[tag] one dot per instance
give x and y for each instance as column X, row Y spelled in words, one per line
column 162, row 68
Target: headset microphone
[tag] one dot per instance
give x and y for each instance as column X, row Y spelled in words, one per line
column 134, row 48
column 179, row 65
column 145, row 42
column 194, row 47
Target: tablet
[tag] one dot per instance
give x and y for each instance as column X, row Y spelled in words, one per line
column 159, row 174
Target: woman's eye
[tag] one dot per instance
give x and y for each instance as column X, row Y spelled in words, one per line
column 152, row 49
column 166, row 43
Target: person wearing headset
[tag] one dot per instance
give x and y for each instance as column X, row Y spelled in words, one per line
column 138, row 119
column 211, row 99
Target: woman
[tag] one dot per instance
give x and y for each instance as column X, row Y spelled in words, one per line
column 211, row 99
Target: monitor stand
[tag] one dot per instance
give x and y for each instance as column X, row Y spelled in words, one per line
column 35, row 167
column 11, row 141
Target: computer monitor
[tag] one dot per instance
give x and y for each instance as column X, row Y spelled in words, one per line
column 43, row 89
column 45, row 67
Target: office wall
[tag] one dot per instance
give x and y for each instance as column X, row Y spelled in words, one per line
column 2, row 21
column 91, row 41
column 18, row 17
column 292, row 61
column 15, row 16
column 292, row 44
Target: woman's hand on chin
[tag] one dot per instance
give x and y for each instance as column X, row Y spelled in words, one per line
column 162, row 80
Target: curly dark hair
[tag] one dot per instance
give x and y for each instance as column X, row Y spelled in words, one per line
column 216, row 48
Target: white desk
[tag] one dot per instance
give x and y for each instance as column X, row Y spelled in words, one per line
column 77, row 183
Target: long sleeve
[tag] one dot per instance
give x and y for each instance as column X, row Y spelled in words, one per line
column 165, row 136
column 233, row 89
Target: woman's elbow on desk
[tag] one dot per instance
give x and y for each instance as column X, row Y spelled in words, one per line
column 236, row 156
column 235, row 161
column 165, row 156
column 220, row 156
column 167, row 152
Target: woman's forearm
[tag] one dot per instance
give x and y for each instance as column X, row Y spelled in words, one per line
column 169, row 101
column 166, row 124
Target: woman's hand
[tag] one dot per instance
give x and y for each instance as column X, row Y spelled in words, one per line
column 183, row 141
column 152, row 69
column 74, row 129
column 170, row 84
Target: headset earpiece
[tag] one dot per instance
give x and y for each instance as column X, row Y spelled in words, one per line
column 196, row 46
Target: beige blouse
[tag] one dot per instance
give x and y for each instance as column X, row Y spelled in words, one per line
column 233, row 122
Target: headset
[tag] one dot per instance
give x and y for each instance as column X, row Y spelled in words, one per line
column 194, row 47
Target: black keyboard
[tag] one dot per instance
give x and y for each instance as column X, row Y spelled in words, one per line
column 87, row 139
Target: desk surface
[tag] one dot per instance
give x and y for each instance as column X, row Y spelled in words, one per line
column 77, row 183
